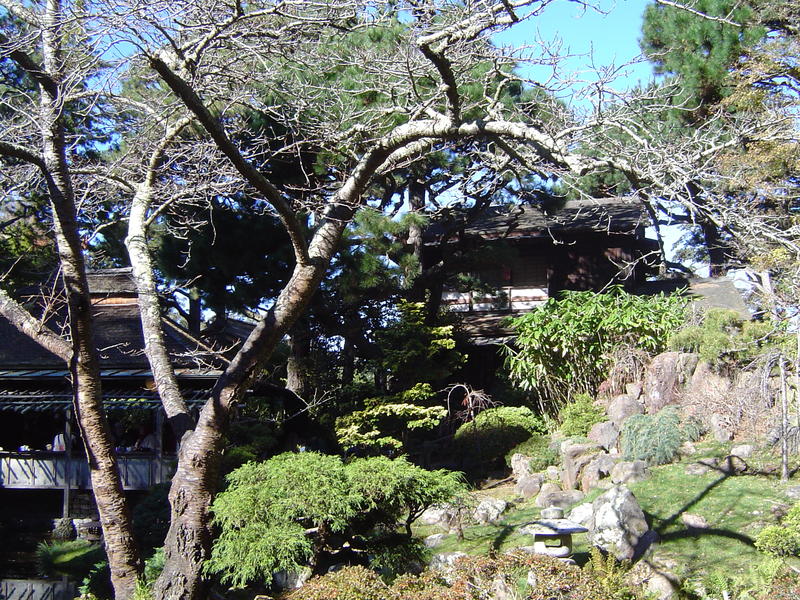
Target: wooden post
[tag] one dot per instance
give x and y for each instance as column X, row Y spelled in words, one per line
column 67, row 463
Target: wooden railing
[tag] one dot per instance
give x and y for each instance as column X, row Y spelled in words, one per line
column 36, row 589
column 507, row 298
column 52, row 470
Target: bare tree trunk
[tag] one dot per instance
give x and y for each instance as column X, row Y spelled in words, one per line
column 797, row 382
column 147, row 293
column 297, row 367
column 84, row 365
column 416, row 204
column 187, row 544
column 717, row 252
column 348, row 361
column 784, row 422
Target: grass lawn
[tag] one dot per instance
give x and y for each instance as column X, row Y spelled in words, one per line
column 68, row 558
column 735, row 507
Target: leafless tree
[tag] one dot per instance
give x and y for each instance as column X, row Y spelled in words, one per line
column 365, row 87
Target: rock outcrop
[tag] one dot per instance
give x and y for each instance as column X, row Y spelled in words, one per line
column 529, row 485
column 574, row 458
column 606, row 434
column 622, row 407
column 618, row 523
column 629, row 472
column 597, row 471
column 663, row 377
column 489, row 510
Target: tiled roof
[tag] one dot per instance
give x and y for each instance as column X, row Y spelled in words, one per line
column 612, row 215
column 118, row 333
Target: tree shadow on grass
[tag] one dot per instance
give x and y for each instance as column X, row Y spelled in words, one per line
column 502, row 535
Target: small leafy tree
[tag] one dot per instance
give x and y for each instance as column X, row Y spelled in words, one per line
column 384, row 427
column 487, row 438
column 415, row 351
column 563, row 348
column 281, row 513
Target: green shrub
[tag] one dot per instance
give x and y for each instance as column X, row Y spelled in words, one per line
column 783, row 539
column 75, row 557
column 382, row 427
column 349, row 583
column 277, row 514
column 151, row 518
column 414, row 351
column 578, row 416
column 778, row 541
column 610, row 574
column 758, row 581
column 537, row 447
column 723, row 336
column 394, row 555
column 98, row 582
column 488, row 437
column 657, row 438
column 565, row 347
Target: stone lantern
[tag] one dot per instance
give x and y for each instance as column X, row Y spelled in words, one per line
column 552, row 534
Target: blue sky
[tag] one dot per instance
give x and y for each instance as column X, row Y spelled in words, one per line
column 612, row 38
column 609, row 37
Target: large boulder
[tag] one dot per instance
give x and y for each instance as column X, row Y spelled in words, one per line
column 574, row 458
column 743, row 450
column 529, row 485
column 445, row 561
column 619, row 523
column 629, row 472
column 441, row 515
column 663, row 378
column 547, row 489
column 583, row 514
column 606, row 434
column 656, row 577
column 732, row 465
column 489, row 510
column 597, row 470
column 623, row 407
column 703, row 466
column 434, row 540
column 693, row 521
column 291, row 580
column 520, row 466
column 721, row 427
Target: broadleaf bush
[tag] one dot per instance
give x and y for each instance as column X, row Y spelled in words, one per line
column 783, row 539
column 565, row 347
column 578, row 416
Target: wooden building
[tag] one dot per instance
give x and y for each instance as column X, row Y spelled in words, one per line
column 39, row 445
column 526, row 256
